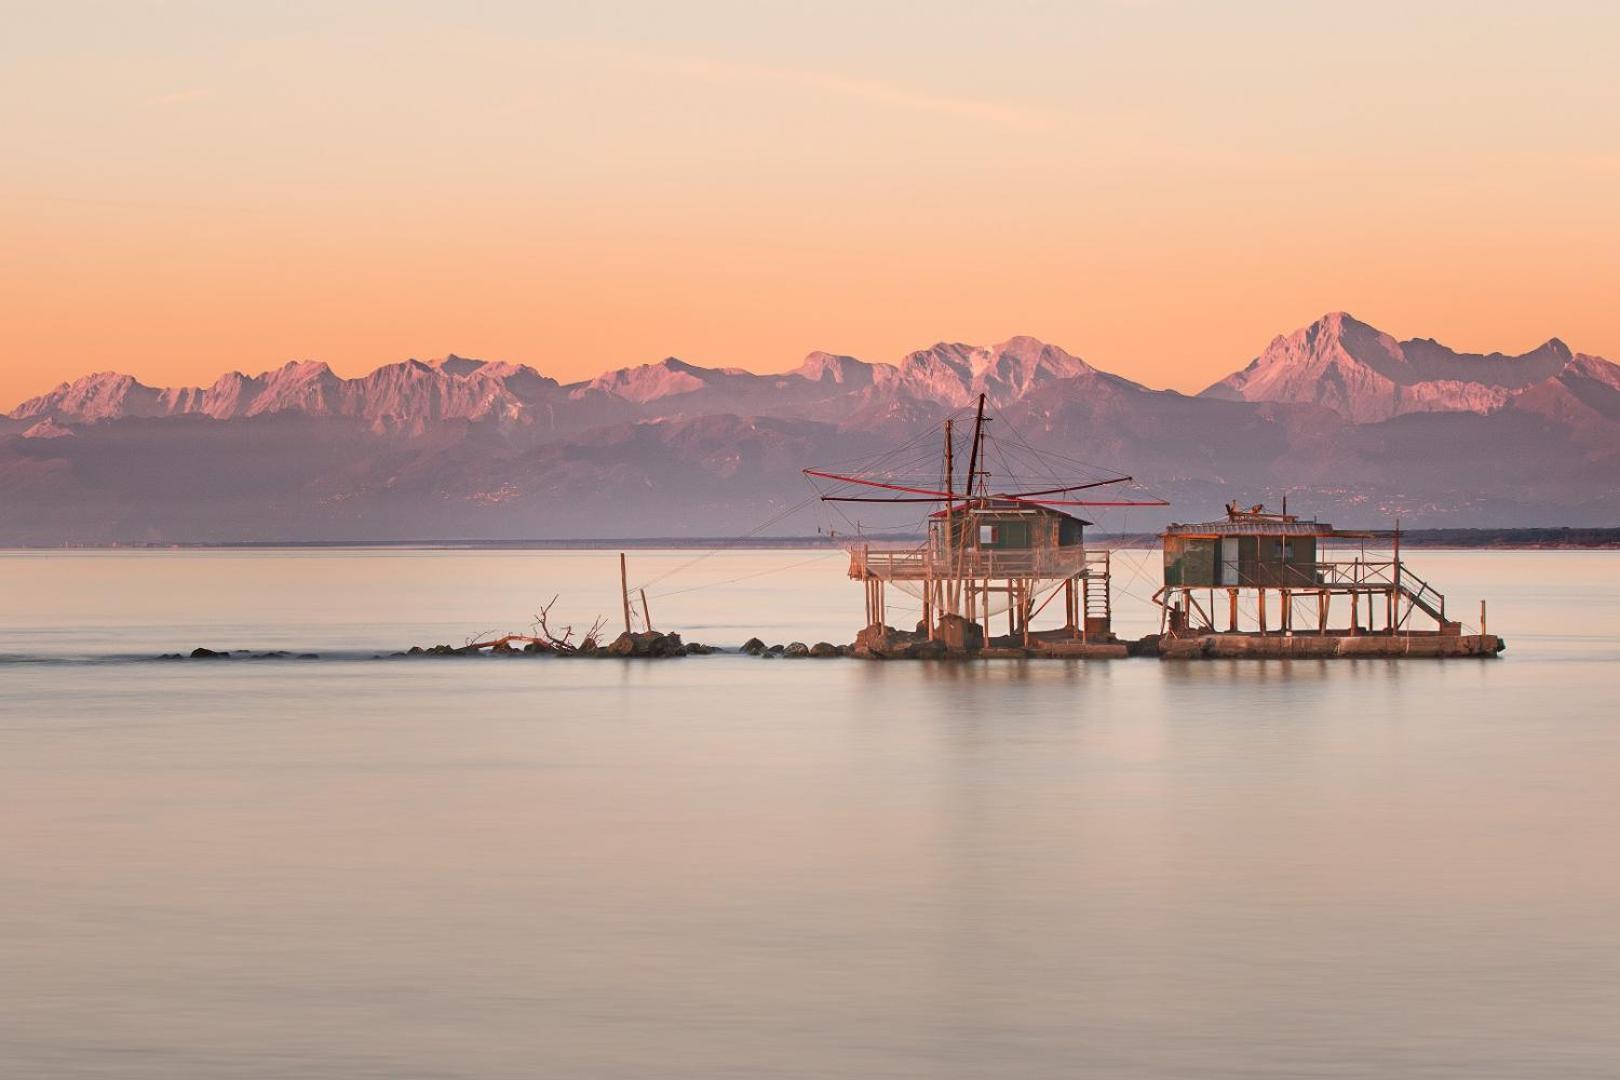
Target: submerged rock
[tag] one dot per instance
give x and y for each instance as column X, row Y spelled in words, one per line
column 926, row 650
column 754, row 647
column 823, row 649
column 209, row 654
column 796, row 650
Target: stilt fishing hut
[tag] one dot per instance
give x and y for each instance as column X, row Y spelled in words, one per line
column 1265, row 574
column 987, row 554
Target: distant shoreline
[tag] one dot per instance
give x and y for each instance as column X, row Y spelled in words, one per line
column 1527, row 539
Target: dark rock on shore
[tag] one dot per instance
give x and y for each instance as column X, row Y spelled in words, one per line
column 648, row 643
column 1143, row 646
column 888, row 643
column 754, row 647
column 796, row 650
column 822, row 649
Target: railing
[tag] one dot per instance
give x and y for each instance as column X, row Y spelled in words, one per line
column 1355, row 572
column 927, row 562
column 1425, row 596
column 1352, row 574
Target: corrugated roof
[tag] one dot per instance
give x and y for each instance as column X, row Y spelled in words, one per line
column 993, row 505
column 1253, row 527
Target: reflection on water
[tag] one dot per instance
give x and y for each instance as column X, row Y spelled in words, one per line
column 727, row 867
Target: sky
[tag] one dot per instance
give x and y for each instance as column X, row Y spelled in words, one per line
column 1158, row 186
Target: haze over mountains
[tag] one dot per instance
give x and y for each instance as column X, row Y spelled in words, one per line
column 1354, row 424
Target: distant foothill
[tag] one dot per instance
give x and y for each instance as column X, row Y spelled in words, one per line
column 1364, row 426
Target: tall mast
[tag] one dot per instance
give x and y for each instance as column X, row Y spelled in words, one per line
column 978, row 441
column 950, row 520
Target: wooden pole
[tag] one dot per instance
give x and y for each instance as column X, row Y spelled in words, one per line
column 1026, row 604
column 646, row 612
column 1482, row 629
column 974, row 462
column 951, row 601
column 624, row 591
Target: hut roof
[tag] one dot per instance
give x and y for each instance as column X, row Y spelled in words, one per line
column 994, row 505
column 1268, row 526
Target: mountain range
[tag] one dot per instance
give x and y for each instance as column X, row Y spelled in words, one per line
column 1352, row 423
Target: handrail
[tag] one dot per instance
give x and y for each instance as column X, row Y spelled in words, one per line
column 926, row 561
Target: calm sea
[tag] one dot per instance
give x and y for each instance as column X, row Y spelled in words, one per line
column 721, row 867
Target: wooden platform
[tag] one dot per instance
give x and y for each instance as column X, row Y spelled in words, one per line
column 1328, row 646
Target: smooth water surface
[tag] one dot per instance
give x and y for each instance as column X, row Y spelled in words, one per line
column 723, row 867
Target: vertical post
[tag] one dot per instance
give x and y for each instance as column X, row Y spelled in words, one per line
column 928, row 598
column 1397, row 553
column 1232, row 612
column 1482, row 629
column 624, row 591
column 1355, row 615
column 1026, row 605
column 950, row 601
column 1321, row 611
column 1261, row 593
column 984, row 597
column 973, row 455
column 646, row 612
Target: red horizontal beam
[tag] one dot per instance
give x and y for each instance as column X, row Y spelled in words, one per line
column 876, row 484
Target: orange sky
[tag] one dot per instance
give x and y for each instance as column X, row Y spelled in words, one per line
column 1157, row 186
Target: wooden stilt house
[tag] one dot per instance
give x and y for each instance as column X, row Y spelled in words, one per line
column 1262, row 572
column 989, row 555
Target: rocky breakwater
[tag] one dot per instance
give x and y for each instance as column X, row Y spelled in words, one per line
column 795, row 650
column 648, row 644
column 954, row 636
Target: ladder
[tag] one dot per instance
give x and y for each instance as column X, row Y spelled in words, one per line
column 1096, row 603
